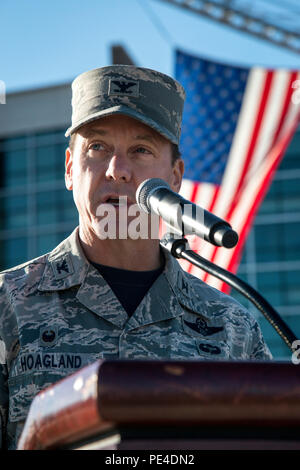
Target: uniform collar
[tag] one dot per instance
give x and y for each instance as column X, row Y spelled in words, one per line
column 67, row 266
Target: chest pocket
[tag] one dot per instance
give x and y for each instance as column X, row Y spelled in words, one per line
column 32, row 372
column 22, row 390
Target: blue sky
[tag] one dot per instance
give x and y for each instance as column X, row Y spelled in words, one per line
column 46, row 43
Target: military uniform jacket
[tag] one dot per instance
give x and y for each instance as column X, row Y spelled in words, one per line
column 58, row 314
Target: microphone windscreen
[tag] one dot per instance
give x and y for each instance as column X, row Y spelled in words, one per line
column 145, row 190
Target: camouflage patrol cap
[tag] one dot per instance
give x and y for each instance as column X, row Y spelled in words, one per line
column 143, row 94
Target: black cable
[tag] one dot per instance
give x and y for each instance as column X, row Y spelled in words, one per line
column 177, row 247
column 251, row 294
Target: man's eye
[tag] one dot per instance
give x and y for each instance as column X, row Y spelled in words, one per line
column 142, row 150
column 96, row 147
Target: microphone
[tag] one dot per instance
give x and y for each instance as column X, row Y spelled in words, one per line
column 183, row 216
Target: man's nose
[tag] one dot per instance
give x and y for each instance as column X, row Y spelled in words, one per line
column 118, row 168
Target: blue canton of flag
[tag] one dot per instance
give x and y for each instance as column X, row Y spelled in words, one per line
column 214, row 98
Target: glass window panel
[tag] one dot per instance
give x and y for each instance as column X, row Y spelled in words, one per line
column 45, row 156
column 60, row 161
column 56, row 207
column 291, row 241
column 278, row 242
column 69, row 214
column 14, row 143
column 291, row 288
column 292, row 158
column 276, row 344
column 47, row 207
column 281, row 288
column 49, row 138
column 46, row 198
column 46, row 243
column 15, row 160
column 290, row 194
column 269, row 285
column 14, row 212
column 50, row 163
column 283, row 196
column 68, row 210
column 266, row 241
column 2, row 215
column 15, row 168
column 292, row 295
column 273, row 199
column 244, row 256
column 63, row 235
column 269, row 206
column 13, row 252
column 293, row 322
column 47, row 216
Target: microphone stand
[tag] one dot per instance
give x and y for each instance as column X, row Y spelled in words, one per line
column 179, row 249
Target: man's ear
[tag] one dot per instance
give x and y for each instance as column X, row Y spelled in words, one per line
column 69, row 169
column 178, row 170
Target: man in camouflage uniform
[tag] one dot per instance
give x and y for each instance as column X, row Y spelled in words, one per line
column 94, row 297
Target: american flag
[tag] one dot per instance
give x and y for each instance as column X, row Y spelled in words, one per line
column 237, row 125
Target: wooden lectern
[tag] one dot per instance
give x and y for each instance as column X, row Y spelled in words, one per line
column 169, row 405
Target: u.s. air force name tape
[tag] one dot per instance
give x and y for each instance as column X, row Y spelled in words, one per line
column 45, row 361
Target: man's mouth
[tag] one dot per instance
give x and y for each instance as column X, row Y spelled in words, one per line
column 114, row 202
column 120, row 201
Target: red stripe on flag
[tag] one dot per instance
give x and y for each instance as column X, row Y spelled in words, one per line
column 257, row 127
column 214, row 198
column 194, row 191
column 285, row 107
column 253, row 142
column 237, row 253
column 283, row 144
